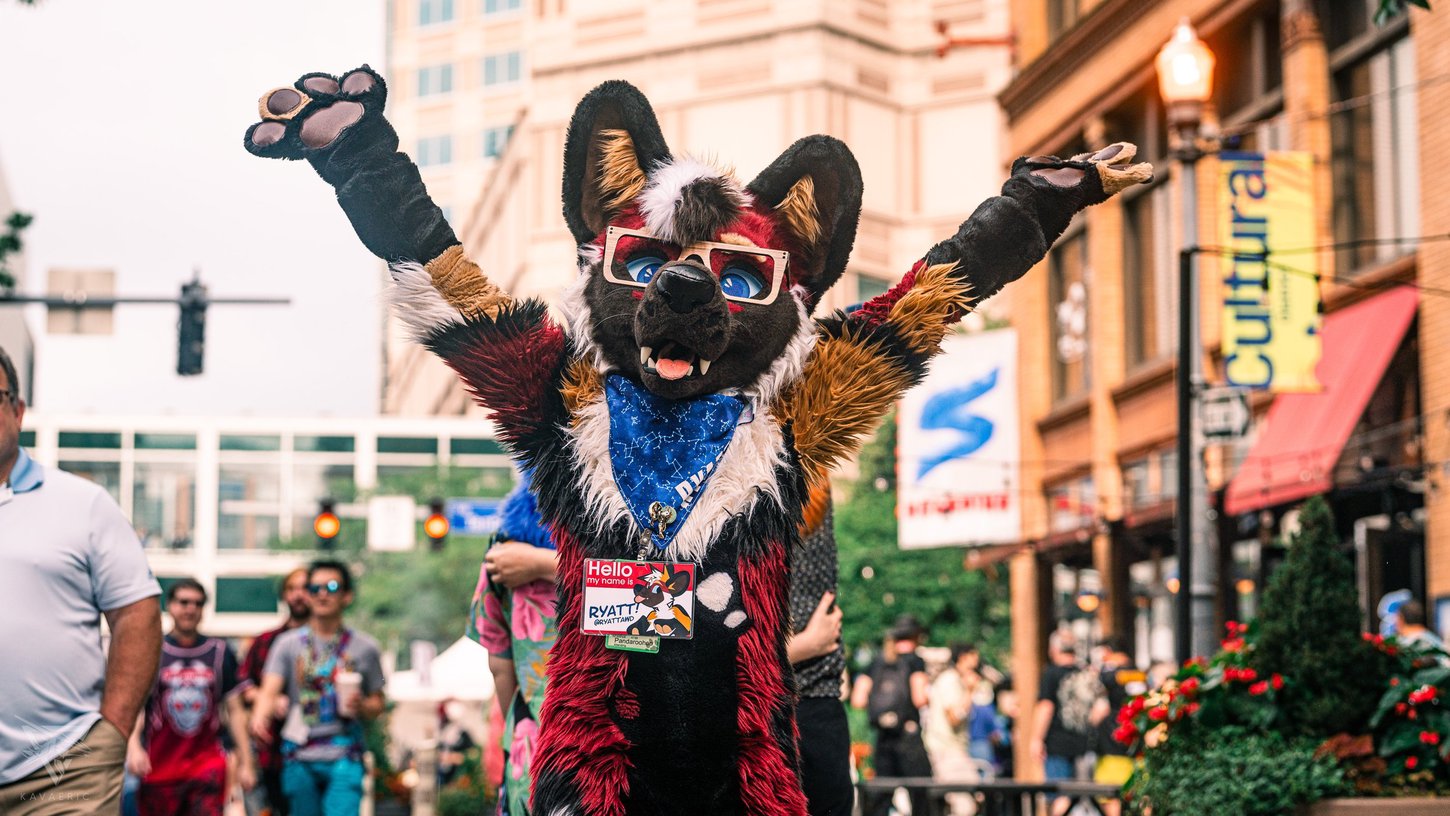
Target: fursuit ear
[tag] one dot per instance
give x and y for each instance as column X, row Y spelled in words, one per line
column 815, row 186
column 614, row 141
column 678, row 583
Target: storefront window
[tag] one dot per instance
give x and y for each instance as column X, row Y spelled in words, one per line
column 105, row 474
column 164, row 504
column 249, row 505
column 1072, row 505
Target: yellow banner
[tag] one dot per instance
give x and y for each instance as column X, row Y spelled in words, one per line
column 1270, row 297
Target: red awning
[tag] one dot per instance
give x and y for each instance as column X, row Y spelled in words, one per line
column 1304, row 434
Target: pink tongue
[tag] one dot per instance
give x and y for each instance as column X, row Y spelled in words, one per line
column 672, row 369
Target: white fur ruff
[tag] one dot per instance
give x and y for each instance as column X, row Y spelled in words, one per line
column 660, row 195
column 787, row 368
column 416, row 302
column 578, row 319
column 744, row 474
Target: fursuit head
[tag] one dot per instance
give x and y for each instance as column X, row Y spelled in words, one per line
column 683, row 406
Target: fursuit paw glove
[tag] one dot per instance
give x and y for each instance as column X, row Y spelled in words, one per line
column 337, row 125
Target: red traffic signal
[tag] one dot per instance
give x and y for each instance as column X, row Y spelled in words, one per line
column 436, row 525
column 327, row 525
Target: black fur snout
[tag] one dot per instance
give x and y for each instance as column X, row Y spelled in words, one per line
column 686, row 286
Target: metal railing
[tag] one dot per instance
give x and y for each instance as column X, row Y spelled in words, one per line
column 998, row 797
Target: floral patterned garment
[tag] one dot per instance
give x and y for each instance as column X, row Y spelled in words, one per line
column 518, row 625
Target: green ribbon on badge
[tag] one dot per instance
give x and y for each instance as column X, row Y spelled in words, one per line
column 646, row 644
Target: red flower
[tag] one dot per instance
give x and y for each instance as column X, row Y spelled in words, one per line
column 1258, row 688
column 1400, row 708
column 1423, row 694
column 1190, row 709
column 1429, row 738
column 1394, row 681
column 1412, row 714
column 1125, row 734
column 1277, row 681
column 1248, row 675
column 1411, row 763
column 1158, row 713
column 1189, row 686
column 1233, row 644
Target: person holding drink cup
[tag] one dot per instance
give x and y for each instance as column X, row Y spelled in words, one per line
column 332, row 679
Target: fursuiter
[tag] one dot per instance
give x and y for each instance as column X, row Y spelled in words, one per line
column 682, row 409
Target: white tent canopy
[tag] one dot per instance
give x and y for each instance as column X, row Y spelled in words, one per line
column 460, row 671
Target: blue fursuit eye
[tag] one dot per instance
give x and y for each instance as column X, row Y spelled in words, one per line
column 739, row 281
column 642, row 268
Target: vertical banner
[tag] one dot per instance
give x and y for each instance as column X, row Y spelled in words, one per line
column 958, row 479
column 1270, row 297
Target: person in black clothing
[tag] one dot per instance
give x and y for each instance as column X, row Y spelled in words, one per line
column 1121, row 682
column 893, row 691
column 814, row 650
column 454, row 740
column 1058, row 738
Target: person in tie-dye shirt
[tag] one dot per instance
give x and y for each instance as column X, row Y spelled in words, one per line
column 513, row 617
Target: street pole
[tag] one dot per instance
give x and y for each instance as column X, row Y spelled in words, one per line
column 1185, row 80
column 1194, row 612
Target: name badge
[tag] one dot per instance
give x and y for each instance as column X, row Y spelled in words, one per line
column 651, row 599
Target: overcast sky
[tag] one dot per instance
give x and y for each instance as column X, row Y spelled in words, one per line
column 121, row 132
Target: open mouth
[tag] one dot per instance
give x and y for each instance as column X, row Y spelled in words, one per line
column 672, row 361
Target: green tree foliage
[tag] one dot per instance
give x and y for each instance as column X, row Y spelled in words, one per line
column 10, row 244
column 953, row 603
column 1309, row 631
column 417, row 595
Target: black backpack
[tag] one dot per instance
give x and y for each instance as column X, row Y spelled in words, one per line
column 889, row 704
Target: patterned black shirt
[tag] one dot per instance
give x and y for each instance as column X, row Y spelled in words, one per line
column 813, row 574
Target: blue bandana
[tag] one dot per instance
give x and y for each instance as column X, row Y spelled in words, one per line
column 664, row 451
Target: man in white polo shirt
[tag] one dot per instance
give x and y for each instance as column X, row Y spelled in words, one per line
column 67, row 556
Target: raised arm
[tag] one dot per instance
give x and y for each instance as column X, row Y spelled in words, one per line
column 865, row 361
column 509, row 354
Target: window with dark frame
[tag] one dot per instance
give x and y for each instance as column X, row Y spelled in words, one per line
column 1068, row 317
column 1373, row 135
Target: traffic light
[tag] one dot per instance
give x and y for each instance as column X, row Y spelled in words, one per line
column 191, row 330
column 436, row 525
column 327, row 525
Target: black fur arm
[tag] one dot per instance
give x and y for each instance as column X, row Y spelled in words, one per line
column 1009, row 234
column 863, row 362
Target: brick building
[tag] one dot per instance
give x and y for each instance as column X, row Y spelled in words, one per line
column 1098, row 321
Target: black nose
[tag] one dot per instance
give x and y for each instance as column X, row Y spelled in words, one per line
column 686, row 286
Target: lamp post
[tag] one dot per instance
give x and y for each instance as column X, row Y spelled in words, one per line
column 1185, row 80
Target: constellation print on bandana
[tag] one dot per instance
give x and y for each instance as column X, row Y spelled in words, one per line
column 664, row 451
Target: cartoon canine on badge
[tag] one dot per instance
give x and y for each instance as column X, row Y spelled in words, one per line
column 688, row 351
column 658, row 591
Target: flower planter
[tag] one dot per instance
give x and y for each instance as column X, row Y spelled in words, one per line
column 1402, row 806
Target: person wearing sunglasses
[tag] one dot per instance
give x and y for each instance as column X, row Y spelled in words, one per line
column 177, row 749
column 291, row 591
column 67, row 704
column 332, row 677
